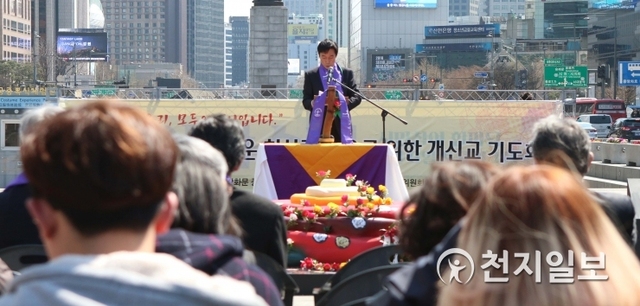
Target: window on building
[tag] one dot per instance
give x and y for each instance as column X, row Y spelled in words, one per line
column 9, row 135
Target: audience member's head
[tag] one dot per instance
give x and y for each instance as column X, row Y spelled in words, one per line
column 201, row 188
column 444, row 198
column 98, row 169
column 35, row 116
column 224, row 134
column 537, row 210
column 563, row 143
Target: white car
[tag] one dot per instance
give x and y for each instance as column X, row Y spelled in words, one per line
column 593, row 133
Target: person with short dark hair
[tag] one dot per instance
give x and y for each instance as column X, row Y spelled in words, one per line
column 262, row 220
column 315, row 81
column 101, row 175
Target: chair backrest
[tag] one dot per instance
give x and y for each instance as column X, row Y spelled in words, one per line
column 21, row 256
column 376, row 257
column 281, row 279
column 361, row 285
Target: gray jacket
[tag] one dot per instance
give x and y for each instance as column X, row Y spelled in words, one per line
column 125, row 278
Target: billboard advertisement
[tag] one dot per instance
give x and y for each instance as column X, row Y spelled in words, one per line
column 406, row 3
column 385, row 66
column 462, row 31
column 294, row 66
column 78, row 46
column 484, row 46
column 302, row 31
column 614, row 4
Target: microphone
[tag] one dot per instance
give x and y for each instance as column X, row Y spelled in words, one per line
column 330, row 75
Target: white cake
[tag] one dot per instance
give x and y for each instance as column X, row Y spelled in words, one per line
column 332, row 188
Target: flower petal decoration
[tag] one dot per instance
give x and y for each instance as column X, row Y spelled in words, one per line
column 358, row 222
column 320, row 237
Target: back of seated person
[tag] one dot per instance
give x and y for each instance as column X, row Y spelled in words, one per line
column 204, row 232
column 16, row 226
column 101, row 175
column 262, row 221
column 445, row 196
column 544, row 213
column 563, row 143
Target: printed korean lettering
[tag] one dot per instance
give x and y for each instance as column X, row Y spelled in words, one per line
column 397, row 146
column 244, row 182
column 495, row 262
column 557, row 274
column 163, row 119
column 514, row 149
column 249, row 144
column 473, row 150
column 454, row 150
column 528, row 153
column 437, row 146
column 524, row 265
column 409, row 147
column 497, row 148
column 592, row 264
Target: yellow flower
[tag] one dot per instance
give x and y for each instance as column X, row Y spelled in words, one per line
column 382, row 189
column 333, row 205
column 370, row 190
column 387, row 201
column 317, row 209
column 371, row 205
column 377, row 200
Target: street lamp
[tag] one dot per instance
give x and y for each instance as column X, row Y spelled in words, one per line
column 492, row 36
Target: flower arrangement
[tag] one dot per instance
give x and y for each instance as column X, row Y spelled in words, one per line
column 314, row 265
column 616, row 140
column 323, row 174
column 295, row 214
column 635, row 142
column 390, row 235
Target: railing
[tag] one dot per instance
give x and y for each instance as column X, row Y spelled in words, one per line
column 296, row 94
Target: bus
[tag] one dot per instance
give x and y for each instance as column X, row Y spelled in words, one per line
column 584, row 106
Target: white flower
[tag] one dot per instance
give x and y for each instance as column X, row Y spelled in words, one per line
column 358, row 222
column 293, row 217
column 320, row 237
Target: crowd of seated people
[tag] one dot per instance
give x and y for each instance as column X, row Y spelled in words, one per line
column 130, row 214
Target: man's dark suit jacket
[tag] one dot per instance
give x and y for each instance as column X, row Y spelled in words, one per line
column 313, row 85
column 16, row 225
column 263, row 224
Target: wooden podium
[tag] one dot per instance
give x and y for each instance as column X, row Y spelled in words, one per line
column 330, row 109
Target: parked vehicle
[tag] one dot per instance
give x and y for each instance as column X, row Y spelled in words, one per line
column 628, row 128
column 602, row 123
column 593, row 133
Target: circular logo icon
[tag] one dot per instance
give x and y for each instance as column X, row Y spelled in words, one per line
column 317, row 112
column 455, row 266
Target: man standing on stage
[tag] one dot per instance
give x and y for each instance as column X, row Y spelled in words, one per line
column 315, row 81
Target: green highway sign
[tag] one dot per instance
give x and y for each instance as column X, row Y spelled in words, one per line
column 555, row 62
column 295, row 94
column 392, row 94
column 104, row 91
column 565, row 76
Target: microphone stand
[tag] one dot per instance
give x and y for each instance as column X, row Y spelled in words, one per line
column 384, row 112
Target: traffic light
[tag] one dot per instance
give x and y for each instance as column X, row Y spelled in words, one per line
column 601, row 71
column 433, row 80
column 404, row 80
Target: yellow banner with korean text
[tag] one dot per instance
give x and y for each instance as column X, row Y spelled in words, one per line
column 496, row 131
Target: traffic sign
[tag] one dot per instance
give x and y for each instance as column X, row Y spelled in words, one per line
column 629, row 73
column 423, row 78
column 553, row 62
column 565, row 76
column 481, row 74
column 441, row 86
column 415, row 78
column 482, row 87
column 392, row 95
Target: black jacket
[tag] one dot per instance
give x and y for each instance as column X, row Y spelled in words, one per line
column 263, row 224
column 16, row 225
column 313, row 85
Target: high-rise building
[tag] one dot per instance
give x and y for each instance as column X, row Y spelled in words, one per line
column 466, row 7
column 304, row 7
column 16, row 21
column 205, row 41
column 336, row 21
column 228, row 62
column 240, row 49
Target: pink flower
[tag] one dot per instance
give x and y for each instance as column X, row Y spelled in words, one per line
column 322, row 173
column 345, row 198
column 306, row 203
column 311, row 215
column 287, row 213
column 326, row 211
column 349, row 176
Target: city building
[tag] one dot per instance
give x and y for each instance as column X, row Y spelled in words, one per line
column 466, row 7
column 337, row 21
column 228, row 62
column 16, row 31
column 205, row 41
column 304, row 7
column 239, row 50
column 389, row 24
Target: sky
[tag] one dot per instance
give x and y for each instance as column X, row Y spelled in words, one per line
column 236, row 8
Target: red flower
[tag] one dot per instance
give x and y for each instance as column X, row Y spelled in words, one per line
column 336, row 104
column 287, row 213
column 326, row 210
column 360, row 201
column 306, row 203
column 326, row 267
column 307, row 263
column 363, row 188
column 345, row 198
column 305, row 214
column 335, row 266
column 322, row 173
column 311, row 215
